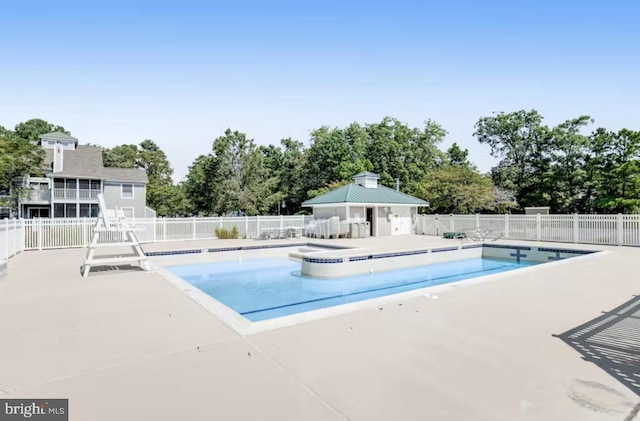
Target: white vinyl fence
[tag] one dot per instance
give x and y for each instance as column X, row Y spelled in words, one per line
column 11, row 238
column 47, row 233
column 592, row 229
column 40, row 234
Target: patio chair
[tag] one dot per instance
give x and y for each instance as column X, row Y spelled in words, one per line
column 119, row 232
column 344, row 229
column 310, row 229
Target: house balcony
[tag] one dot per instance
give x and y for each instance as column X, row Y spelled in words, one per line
column 37, row 196
column 75, row 194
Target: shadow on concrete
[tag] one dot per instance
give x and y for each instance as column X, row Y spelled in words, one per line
column 112, row 269
column 612, row 342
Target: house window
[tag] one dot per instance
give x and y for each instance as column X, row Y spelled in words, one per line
column 58, row 183
column 84, row 184
column 127, row 191
column 127, row 212
column 70, row 210
column 84, row 210
column 95, row 184
column 71, row 183
column 95, row 210
column 58, row 210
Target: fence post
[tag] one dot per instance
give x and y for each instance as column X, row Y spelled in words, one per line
column 246, row 226
column 477, row 220
column 538, row 227
column 257, row 226
column 155, row 227
column 193, row 227
column 576, row 228
column 15, row 236
column 620, row 229
column 164, row 229
column 281, row 222
column 39, row 234
column 506, row 225
column 6, row 239
column 452, row 225
column 23, row 234
column 85, row 240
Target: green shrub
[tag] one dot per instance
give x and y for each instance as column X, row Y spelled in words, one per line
column 224, row 234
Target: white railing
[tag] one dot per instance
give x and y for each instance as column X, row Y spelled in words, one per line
column 38, row 194
column 591, row 229
column 88, row 194
column 64, row 193
column 11, row 238
column 73, row 193
column 47, row 233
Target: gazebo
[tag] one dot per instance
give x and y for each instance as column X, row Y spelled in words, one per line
column 388, row 211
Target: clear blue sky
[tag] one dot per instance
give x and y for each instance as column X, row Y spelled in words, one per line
column 181, row 72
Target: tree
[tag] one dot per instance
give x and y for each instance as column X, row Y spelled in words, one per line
column 285, row 163
column 233, row 177
column 398, row 151
column 457, row 189
column 568, row 151
column 521, row 142
column 31, row 129
column 293, row 161
column 123, row 156
column 162, row 196
column 330, row 159
column 457, row 156
column 618, row 177
column 504, row 200
column 197, row 186
column 18, row 158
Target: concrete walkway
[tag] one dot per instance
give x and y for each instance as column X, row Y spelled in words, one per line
column 130, row 346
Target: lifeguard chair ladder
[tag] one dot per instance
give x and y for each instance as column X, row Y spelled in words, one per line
column 120, row 232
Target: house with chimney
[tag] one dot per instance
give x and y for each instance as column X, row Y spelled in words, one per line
column 74, row 175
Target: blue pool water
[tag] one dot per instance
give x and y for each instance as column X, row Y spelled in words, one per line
column 267, row 288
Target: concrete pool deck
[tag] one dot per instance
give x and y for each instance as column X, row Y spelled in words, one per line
column 130, row 346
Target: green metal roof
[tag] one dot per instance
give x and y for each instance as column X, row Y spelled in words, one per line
column 355, row 193
column 366, row 174
column 58, row 136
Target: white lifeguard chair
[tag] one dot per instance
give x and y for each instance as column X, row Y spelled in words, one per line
column 113, row 225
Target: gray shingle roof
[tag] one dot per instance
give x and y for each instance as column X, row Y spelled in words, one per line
column 86, row 162
column 355, row 193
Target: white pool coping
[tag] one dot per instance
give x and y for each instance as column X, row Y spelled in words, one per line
column 244, row 326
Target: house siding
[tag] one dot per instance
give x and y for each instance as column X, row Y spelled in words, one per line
column 357, row 212
column 112, row 197
column 325, row 213
column 384, row 225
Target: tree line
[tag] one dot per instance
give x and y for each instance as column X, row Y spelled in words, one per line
column 562, row 167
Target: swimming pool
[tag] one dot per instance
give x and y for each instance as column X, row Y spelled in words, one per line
column 263, row 289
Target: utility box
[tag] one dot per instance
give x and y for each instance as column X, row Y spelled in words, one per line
column 367, row 229
column 354, row 230
column 362, row 229
column 537, row 210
